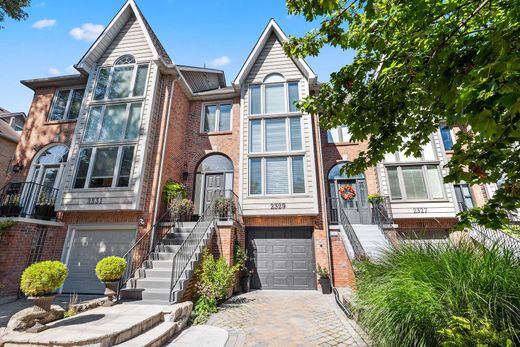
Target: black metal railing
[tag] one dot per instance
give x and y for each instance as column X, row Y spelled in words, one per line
column 503, row 238
column 145, row 245
column 183, row 257
column 382, row 212
column 359, row 252
column 227, row 206
column 29, row 200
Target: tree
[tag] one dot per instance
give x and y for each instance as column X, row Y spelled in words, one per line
column 419, row 63
column 13, row 9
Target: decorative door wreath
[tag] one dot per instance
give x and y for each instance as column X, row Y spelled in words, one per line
column 347, row 192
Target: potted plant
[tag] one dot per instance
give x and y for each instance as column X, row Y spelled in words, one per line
column 375, row 199
column 44, row 208
column 171, row 190
column 224, row 207
column 40, row 280
column 182, row 209
column 326, row 288
column 110, row 270
column 240, row 258
column 11, row 205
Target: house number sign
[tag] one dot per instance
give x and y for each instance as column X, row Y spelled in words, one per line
column 94, row 201
column 420, row 210
column 278, row 206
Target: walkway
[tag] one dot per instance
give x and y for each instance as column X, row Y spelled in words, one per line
column 286, row 318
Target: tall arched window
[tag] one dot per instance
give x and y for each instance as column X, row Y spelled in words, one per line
column 214, row 174
column 47, row 166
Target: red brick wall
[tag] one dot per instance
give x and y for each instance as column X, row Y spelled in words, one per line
column 342, row 270
column 6, row 155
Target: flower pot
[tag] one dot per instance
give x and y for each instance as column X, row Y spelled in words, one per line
column 244, row 283
column 43, row 302
column 325, row 285
column 111, row 289
column 11, row 211
column 45, row 212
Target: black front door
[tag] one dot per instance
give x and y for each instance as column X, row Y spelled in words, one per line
column 214, row 184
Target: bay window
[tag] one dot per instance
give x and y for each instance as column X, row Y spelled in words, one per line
column 216, row 118
column 415, row 182
column 66, row 105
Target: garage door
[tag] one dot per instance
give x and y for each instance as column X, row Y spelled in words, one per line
column 87, row 248
column 283, row 258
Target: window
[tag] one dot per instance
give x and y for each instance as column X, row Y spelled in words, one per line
column 283, row 175
column 113, row 123
column 67, row 104
column 125, row 79
column 447, row 140
column 415, row 182
column 464, row 196
column 274, row 98
column 275, row 135
column 338, row 135
column 427, row 154
column 216, row 118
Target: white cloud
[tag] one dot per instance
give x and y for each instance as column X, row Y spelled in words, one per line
column 87, row 32
column 53, row 71
column 44, row 23
column 221, row 61
column 70, row 69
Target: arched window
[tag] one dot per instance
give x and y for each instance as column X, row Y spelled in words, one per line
column 47, row 167
column 215, row 163
column 125, row 60
column 336, row 174
column 53, row 155
column 274, row 78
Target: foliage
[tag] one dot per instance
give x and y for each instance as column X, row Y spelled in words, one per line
column 5, row 224
column 375, row 198
column 214, row 279
column 72, row 308
column 172, row 190
column 43, row 278
column 512, row 229
column 182, row 207
column 13, row 9
column 70, row 312
column 224, row 207
column 463, row 332
column 414, row 290
column 239, row 256
column 323, row 272
column 418, row 63
column 110, row 269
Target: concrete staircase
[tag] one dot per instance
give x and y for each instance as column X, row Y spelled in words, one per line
column 371, row 238
column 152, row 282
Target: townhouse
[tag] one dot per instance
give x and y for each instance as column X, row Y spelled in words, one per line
column 98, row 147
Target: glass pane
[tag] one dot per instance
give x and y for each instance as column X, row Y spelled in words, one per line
column 255, row 176
column 210, row 113
column 345, row 135
column 75, row 104
column 298, row 176
column 275, row 135
column 276, row 176
column 123, row 179
column 121, row 82
column 293, row 96
column 428, row 152
column 83, row 164
column 125, row 59
column 53, row 155
column 140, row 80
column 225, row 118
column 58, row 111
column 393, row 182
column 362, row 194
column 296, row 134
column 446, row 138
column 274, row 98
column 255, row 137
column 104, row 165
column 132, row 128
column 435, row 182
column 255, row 100
column 101, row 85
column 333, row 136
column 112, row 127
column 414, row 184
column 215, row 163
column 49, row 177
column 92, row 124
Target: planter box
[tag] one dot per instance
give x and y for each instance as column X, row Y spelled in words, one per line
column 325, row 286
column 10, row 210
column 45, row 212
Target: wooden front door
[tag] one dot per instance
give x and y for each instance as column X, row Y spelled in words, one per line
column 356, row 209
column 214, row 184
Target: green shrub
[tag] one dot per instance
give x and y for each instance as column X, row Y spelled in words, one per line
column 239, row 256
column 214, row 279
column 5, row 224
column 182, row 207
column 375, row 198
column 172, row 190
column 110, row 269
column 466, row 333
column 43, row 278
column 323, row 272
column 413, row 292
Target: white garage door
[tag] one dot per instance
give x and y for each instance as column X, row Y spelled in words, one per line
column 87, row 248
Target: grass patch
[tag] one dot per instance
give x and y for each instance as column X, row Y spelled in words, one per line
column 414, row 292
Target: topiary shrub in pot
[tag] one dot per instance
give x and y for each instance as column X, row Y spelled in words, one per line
column 326, row 287
column 40, row 280
column 110, row 270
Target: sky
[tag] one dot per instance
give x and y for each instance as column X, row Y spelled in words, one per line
column 216, row 33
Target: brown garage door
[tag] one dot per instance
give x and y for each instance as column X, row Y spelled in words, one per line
column 283, row 258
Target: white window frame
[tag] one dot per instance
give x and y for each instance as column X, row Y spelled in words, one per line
column 263, row 187
column 67, row 106
column 340, row 135
column 109, row 82
column 217, row 117
column 288, row 141
column 424, row 168
column 262, row 98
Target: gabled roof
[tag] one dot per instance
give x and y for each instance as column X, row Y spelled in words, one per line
column 110, row 32
column 272, row 27
column 202, row 79
column 8, row 133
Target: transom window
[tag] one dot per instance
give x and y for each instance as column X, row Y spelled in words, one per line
column 338, row 135
column 216, row 117
column 123, row 80
column 66, row 105
column 273, row 98
column 415, row 182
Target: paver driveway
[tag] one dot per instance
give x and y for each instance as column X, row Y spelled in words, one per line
column 286, row 318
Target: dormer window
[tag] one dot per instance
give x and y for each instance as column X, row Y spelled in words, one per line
column 66, row 105
column 124, row 80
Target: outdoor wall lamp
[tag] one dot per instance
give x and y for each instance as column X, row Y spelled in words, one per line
column 185, row 175
column 18, row 167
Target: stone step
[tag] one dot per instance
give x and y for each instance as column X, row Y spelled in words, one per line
column 178, row 235
column 158, row 273
column 149, row 283
column 162, row 264
column 162, row 256
column 156, row 295
column 154, row 337
column 168, row 248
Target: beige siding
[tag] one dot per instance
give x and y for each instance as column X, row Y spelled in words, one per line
column 272, row 59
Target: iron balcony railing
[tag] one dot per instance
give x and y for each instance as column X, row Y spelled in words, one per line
column 382, row 212
column 359, row 252
column 227, row 206
column 29, row 200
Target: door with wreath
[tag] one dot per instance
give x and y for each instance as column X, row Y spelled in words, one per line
column 353, row 199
